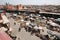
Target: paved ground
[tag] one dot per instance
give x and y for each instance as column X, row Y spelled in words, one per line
column 23, row 35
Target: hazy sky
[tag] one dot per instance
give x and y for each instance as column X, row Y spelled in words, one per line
column 31, row 2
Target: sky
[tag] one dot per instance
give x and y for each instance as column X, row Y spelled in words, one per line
column 31, row 2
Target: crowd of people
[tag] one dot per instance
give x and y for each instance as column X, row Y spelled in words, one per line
column 33, row 23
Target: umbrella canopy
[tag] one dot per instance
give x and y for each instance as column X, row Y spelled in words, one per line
column 57, row 35
column 58, row 19
column 5, row 19
column 4, row 36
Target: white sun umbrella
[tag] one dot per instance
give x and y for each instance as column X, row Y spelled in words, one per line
column 53, row 24
column 44, row 17
column 5, row 19
column 22, row 20
column 14, row 14
column 39, row 15
column 58, row 19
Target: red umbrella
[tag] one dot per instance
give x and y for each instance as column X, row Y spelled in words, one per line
column 4, row 36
